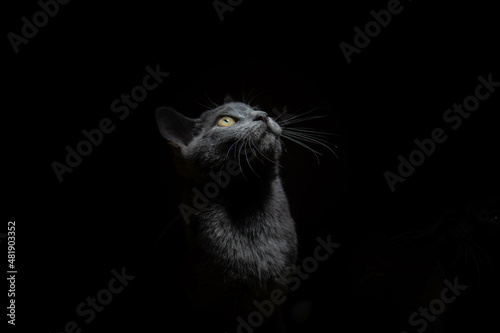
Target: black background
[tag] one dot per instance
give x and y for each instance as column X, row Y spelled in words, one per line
column 112, row 209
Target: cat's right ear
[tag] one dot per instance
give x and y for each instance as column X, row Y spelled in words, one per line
column 175, row 127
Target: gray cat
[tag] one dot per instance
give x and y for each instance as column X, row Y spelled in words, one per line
column 241, row 235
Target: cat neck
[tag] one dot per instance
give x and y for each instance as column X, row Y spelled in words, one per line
column 245, row 186
column 246, row 229
column 239, row 197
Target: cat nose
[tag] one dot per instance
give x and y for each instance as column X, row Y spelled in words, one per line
column 259, row 115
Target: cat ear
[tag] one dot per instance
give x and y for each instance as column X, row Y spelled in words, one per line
column 175, row 127
column 227, row 99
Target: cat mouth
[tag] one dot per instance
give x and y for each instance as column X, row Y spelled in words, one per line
column 267, row 135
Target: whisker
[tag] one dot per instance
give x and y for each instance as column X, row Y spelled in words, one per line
column 486, row 255
column 243, row 93
column 208, row 107
column 257, row 95
column 211, row 102
column 287, row 122
column 316, row 133
column 459, row 252
column 247, row 97
column 295, row 116
column 312, row 131
column 405, row 237
column 239, row 162
column 311, row 139
column 281, row 114
column 227, row 154
column 232, row 146
column 478, row 272
column 254, row 150
column 405, row 241
column 316, row 153
column 220, row 171
column 283, row 145
column 267, row 158
column 248, row 162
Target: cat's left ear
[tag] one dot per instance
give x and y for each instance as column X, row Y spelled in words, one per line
column 227, row 99
column 175, row 127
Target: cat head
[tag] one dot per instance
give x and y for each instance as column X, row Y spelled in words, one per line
column 233, row 131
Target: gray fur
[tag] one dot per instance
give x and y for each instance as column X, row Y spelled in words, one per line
column 246, row 232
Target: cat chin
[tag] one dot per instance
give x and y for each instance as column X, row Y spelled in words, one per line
column 271, row 153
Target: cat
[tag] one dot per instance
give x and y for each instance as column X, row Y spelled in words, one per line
column 242, row 238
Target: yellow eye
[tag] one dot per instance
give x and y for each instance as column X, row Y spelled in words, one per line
column 225, row 121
